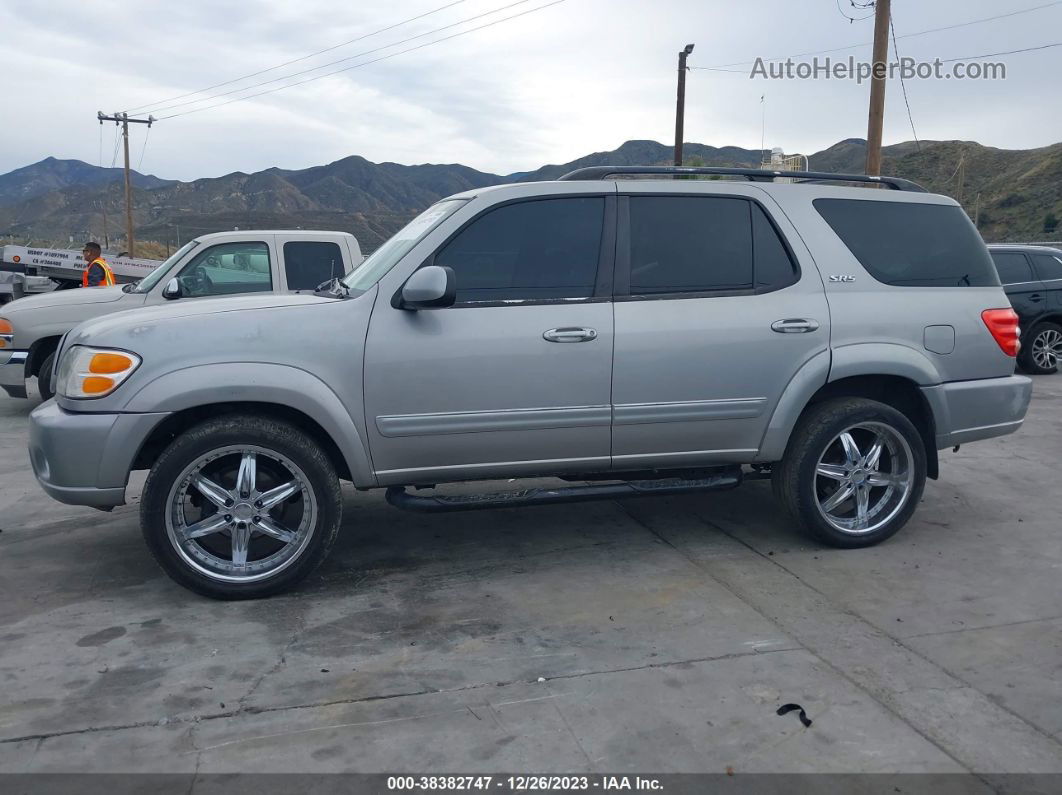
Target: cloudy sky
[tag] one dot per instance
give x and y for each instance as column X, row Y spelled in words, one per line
column 546, row 87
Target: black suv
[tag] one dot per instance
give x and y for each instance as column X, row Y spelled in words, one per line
column 1032, row 279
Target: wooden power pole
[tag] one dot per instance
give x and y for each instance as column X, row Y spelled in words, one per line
column 680, row 105
column 877, row 86
column 124, row 120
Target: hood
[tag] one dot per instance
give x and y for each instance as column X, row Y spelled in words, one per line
column 188, row 308
column 73, row 297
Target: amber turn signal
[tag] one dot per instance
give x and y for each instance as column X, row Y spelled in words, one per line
column 97, row 384
column 109, row 363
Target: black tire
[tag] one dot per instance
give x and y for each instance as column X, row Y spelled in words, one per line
column 269, row 436
column 44, row 377
column 1040, row 333
column 796, row 484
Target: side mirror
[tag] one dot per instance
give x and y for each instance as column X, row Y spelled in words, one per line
column 431, row 287
column 172, row 289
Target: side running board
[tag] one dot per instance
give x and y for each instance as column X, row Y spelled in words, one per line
column 725, row 479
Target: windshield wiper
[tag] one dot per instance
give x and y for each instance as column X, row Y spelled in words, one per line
column 333, row 288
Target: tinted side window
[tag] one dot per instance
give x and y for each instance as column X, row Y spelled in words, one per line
column 1048, row 266
column 307, row 263
column 228, row 269
column 689, row 244
column 1012, row 266
column 911, row 244
column 531, row 250
column 773, row 266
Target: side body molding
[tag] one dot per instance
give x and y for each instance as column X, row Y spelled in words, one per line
column 256, row 382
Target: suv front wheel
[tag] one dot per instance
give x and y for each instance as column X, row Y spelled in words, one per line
column 853, row 472
column 241, row 507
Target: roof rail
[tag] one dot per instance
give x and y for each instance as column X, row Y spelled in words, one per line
column 752, row 174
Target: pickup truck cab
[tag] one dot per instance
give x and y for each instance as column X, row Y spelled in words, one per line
column 634, row 337
column 210, row 266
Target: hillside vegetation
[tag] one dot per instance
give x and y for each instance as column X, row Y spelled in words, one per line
column 1014, row 194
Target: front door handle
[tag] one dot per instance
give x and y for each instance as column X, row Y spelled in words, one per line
column 794, row 325
column 569, row 334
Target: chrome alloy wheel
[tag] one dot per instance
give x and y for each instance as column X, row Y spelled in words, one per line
column 1047, row 349
column 864, row 478
column 241, row 514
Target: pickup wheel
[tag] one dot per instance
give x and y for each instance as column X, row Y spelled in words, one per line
column 44, row 377
column 853, row 472
column 1040, row 354
column 241, row 507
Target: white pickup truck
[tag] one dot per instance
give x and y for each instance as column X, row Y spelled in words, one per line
column 220, row 264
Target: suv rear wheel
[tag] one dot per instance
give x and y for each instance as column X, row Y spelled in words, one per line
column 241, row 507
column 1044, row 349
column 853, row 472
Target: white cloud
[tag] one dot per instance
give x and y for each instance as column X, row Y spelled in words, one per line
column 581, row 76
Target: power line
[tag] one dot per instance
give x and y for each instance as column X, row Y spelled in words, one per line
column 366, row 63
column 1008, row 52
column 340, row 60
column 117, row 143
column 143, row 148
column 303, row 58
column 862, row 6
column 903, row 85
column 721, row 67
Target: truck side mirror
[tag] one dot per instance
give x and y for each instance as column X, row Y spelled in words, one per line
column 172, row 289
column 431, row 287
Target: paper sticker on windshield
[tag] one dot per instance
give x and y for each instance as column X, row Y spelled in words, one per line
column 423, row 222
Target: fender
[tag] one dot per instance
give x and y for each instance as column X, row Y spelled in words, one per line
column 256, row 382
column 808, row 380
column 883, row 358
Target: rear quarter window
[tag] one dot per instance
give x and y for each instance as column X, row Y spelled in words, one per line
column 909, row 244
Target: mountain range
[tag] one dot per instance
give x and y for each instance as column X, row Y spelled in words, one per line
column 1014, row 194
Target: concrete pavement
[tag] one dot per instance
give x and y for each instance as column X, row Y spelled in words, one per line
column 643, row 635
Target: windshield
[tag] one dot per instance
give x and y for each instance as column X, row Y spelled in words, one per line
column 384, row 258
column 153, row 278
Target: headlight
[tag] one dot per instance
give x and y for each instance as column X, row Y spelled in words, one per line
column 93, row 372
column 6, row 333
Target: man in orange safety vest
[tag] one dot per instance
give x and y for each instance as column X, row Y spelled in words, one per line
column 98, row 273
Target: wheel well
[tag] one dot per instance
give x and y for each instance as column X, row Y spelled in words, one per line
column 900, row 393
column 1050, row 318
column 174, row 425
column 38, row 352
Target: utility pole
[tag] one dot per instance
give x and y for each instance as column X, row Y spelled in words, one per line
column 125, row 120
column 877, row 86
column 680, row 105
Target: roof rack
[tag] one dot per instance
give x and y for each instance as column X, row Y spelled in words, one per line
column 752, row 174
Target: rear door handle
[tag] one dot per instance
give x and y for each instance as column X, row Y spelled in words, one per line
column 569, row 334
column 794, row 325
column 1036, row 298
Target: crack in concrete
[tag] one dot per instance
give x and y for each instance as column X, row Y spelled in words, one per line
column 250, row 710
column 978, row 629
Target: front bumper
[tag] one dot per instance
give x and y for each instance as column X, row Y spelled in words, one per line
column 85, row 459
column 13, row 372
column 967, row 411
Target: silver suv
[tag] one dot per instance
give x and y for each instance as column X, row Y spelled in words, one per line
column 631, row 336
